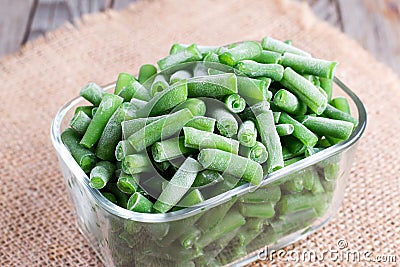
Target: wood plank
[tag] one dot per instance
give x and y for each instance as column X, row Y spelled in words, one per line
column 14, row 17
column 120, row 4
column 51, row 14
column 376, row 26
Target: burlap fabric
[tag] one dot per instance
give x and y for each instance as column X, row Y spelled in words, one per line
column 37, row 226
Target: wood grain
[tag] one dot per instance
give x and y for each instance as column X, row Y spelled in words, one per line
column 14, row 17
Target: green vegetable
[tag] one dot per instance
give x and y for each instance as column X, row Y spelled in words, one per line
column 139, row 203
column 269, row 43
column 289, row 103
column 191, row 53
column 92, row 93
column 257, row 153
column 245, row 50
column 101, row 174
column 80, row 122
column 251, row 68
column 170, row 149
column 146, row 72
column 247, row 134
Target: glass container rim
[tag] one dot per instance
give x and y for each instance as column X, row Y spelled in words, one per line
column 82, row 178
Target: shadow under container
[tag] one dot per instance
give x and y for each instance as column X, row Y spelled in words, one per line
column 232, row 228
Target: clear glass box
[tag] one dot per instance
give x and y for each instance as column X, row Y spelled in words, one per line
column 232, row 228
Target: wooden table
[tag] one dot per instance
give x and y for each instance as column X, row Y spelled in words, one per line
column 375, row 24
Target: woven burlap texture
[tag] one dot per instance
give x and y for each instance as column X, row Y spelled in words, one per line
column 37, row 226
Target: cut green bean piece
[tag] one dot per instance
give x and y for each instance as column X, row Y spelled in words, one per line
column 276, row 115
column 253, row 90
column 162, row 166
column 307, row 137
column 270, row 139
column 304, row 90
column 226, row 122
column 257, row 153
column 317, row 188
column 235, row 103
column 180, row 75
column 107, row 107
column 312, row 150
column 309, row 178
column 268, row 57
column 294, row 221
column 178, row 185
column 296, row 202
column 160, row 129
column 191, row 53
column 232, row 164
column 92, row 93
column 170, row 149
column 269, row 43
column 202, row 123
column 130, row 127
column 331, row 172
column 195, row 105
column 128, row 87
column 341, row 104
column 138, row 104
column 247, row 134
column 80, row 122
column 85, row 109
column 258, row 210
column 229, row 182
column 213, row 217
column 211, row 57
column 101, row 174
column 201, row 139
column 268, row 194
column 284, row 129
column 328, row 127
column 139, row 203
column 128, row 183
column 159, row 84
column 230, row 222
column 175, row 48
column 294, row 145
column 146, row 72
column 245, row 50
column 327, row 86
column 191, row 199
column 83, row 156
column 112, row 134
column 123, row 149
column 188, row 239
column 254, row 69
column 336, row 114
column 200, row 69
column 212, row 86
column 165, row 100
column 289, row 103
column 207, row 177
column 295, row 184
column 314, row 80
column 249, row 231
column 307, row 65
column 136, row 163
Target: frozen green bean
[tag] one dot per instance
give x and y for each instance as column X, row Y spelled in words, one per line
column 270, row 139
column 257, row 153
column 160, row 129
column 328, row 127
column 327, row 86
column 306, row 136
column 308, row 65
column 234, row 103
column 207, row 177
column 85, row 109
column 83, row 156
column 92, row 93
column 192, row 198
column 304, row 90
column 107, row 107
column 232, row 164
column 201, row 139
column 336, row 114
column 289, row 103
column 269, row 43
column 190, row 53
column 202, row 123
column 195, row 105
column 166, row 150
column 245, row 50
column 212, row 86
column 101, row 174
column 268, row 57
column 253, row 90
column 123, row 149
column 139, row 203
column 247, row 134
column 251, row 68
column 227, row 124
column 341, row 104
column 180, row 75
column 178, row 185
column 128, row 87
column 128, row 183
column 159, row 84
column 136, row 163
column 80, row 122
column 257, row 210
column 146, row 72
column 284, row 129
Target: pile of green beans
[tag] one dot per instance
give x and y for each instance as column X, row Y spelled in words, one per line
column 212, row 119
